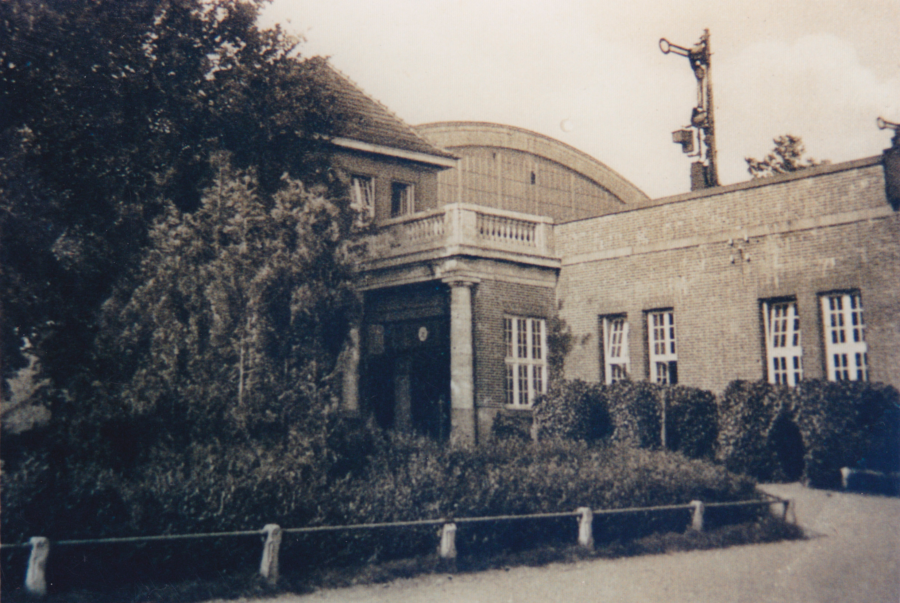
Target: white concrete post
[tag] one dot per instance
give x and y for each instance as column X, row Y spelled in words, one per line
column 35, row 576
column 448, row 541
column 845, row 477
column 789, row 509
column 585, row 527
column 697, row 515
column 268, row 567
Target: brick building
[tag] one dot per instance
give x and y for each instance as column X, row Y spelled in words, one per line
column 485, row 233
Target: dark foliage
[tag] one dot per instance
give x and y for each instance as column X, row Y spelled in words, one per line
column 812, row 430
column 512, row 426
column 354, row 475
column 691, row 421
column 786, row 157
column 842, row 424
column 109, row 114
column 630, row 413
column 573, row 410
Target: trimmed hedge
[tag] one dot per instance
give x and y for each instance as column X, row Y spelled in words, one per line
column 841, row 423
column 747, row 412
column 775, row 432
column 572, row 410
column 630, row 413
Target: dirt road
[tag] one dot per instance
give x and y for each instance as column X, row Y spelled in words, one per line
column 853, row 554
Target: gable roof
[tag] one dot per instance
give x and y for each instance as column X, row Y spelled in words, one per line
column 370, row 126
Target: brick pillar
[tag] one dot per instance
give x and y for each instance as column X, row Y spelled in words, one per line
column 462, row 386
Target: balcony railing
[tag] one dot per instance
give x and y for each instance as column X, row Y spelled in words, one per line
column 472, row 227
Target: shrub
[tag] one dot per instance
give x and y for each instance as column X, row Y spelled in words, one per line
column 634, row 410
column 630, row 413
column 573, row 410
column 512, row 426
column 841, row 423
column 747, row 411
column 412, row 479
column 691, row 421
column 776, row 433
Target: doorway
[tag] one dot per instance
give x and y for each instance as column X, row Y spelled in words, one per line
column 407, row 385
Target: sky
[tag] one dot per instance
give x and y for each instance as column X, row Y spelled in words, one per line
column 590, row 72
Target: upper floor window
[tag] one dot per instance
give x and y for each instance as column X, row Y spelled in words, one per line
column 784, row 356
column 362, row 195
column 402, row 199
column 663, row 358
column 846, row 353
column 615, row 348
column 526, row 359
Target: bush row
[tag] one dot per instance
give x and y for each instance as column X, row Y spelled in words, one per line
column 215, row 486
column 767, row 431
column 630, row 413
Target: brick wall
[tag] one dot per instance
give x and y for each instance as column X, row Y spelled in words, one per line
column 492, row 301
column 385, row 170
column 713, row 256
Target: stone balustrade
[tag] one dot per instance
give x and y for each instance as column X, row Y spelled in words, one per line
column 459, row 225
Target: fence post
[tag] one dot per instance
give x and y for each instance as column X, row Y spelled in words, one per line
column 789, row 509
column 268, row 567
column 846, row 472
column 35, row 576
column 697, row 515
column 585, row 527
column 448, row 541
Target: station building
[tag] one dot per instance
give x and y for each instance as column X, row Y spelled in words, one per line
column 487, row 236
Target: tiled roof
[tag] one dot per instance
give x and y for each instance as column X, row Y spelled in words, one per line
column 367, row 120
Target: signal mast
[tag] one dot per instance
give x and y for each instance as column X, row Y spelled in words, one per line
column 703, row 171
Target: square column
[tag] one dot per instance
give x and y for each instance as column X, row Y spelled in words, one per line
column 462, row 386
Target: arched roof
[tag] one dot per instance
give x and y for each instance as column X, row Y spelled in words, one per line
column 457, row 134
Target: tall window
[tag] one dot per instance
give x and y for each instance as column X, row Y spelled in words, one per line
column 402, row 199
column 615, row 348
column 362, row 195
column 526, row 359
column 784, row 356
column 661, row 335
column 846, row 353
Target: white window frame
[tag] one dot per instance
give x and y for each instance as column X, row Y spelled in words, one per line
column 661, row 343
column 407, row 203
column 362, row 195
column 616, row 356
column 846, row 351
column 525, row 339
column 784, row 351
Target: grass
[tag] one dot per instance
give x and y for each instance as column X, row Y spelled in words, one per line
column 249, row 585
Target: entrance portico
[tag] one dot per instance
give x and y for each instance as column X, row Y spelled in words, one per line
column 418, row 341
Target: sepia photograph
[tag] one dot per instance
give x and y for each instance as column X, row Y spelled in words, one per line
column 449, row 301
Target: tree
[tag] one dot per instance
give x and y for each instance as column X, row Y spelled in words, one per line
column 241, row 311
column 109, row 113
column 787, row 156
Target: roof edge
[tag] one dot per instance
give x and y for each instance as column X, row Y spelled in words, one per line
column 478, row 133
column 811, row 172
column 444, row 161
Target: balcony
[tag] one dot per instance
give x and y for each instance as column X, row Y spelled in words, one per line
column 464, row 230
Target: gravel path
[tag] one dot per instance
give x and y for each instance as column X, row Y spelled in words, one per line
column 853, row 554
